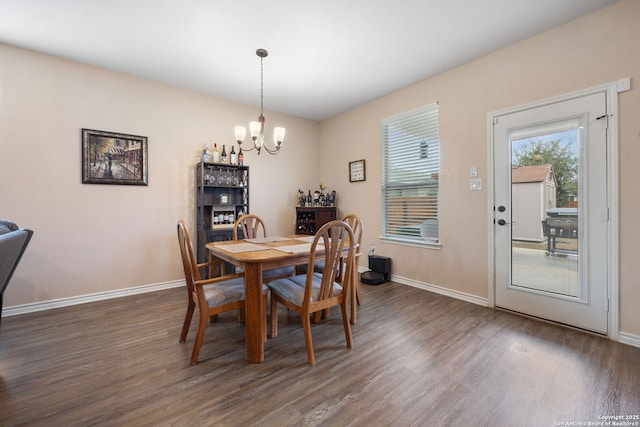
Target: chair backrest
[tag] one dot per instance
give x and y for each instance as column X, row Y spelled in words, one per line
column 356, row 225
column 336, row 236
column 191, row 272
column 12, row 246
column 252, row 226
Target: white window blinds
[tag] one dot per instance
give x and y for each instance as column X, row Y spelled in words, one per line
column 411, row 164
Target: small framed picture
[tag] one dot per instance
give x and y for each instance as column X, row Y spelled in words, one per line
column 357, row 171
column 113, row 158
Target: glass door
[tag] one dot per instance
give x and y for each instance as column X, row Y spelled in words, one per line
column 550, row 233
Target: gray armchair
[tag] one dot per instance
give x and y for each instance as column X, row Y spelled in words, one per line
column 13, row 242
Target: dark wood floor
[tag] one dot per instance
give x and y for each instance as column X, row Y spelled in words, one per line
column 418, row 359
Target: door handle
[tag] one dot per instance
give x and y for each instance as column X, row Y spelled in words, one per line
column 502, row 222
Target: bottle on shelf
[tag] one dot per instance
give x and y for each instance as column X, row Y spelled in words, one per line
column 216, row 154
column 223, row 156
column 234, row 157
column 240, row 157
column 205, row 155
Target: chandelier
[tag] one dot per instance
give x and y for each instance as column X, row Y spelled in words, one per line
column 257, row 128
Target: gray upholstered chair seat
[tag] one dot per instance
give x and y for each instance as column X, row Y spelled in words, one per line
column 225, row 292
column 292, row 288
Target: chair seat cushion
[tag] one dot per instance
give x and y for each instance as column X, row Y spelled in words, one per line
column 275, row 272
column 292, row 288
column 227, row 291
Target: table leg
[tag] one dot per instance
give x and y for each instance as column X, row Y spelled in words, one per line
column 254, row 313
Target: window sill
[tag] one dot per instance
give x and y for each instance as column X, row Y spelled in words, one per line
column 411, row 242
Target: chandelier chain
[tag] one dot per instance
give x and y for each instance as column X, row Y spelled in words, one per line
column 261, row 86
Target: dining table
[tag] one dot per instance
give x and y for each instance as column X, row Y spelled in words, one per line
column 254, row 256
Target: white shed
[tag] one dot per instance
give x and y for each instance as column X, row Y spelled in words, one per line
column 533, row 191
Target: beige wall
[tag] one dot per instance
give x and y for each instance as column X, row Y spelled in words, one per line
column 599, row 48
column 93, row 238
column 98, row 238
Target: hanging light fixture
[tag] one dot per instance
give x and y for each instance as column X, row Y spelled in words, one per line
column 257, row 128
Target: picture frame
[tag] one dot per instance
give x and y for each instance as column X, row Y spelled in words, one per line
column 357, row 171
column 114, row 158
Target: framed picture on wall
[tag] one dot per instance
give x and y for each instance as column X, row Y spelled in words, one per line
column 113, row 158
column 357, row 171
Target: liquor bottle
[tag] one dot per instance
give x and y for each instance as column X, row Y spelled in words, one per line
column 223, row 156
column 205, row 155
column 234, row 157
column 216, row 154
column 240, row 157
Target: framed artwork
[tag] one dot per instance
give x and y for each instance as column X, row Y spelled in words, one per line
column 113, row 158
column 357, row 171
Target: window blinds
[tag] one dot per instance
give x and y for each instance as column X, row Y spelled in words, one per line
column 411, row 164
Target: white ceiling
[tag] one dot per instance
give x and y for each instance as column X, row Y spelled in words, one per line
column 325, row 56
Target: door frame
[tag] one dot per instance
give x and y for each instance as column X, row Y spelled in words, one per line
column 611, row 95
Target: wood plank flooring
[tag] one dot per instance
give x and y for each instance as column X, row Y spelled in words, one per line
column 419, row 359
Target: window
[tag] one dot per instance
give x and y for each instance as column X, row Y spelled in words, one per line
column 411, row 164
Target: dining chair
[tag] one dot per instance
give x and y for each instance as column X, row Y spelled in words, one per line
column 212, row 296
column 356, row 225
column 252, row 226
column 314, row 292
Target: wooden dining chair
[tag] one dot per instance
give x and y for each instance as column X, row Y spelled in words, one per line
column 252, row 226
column 356, row 225
column 314, row 292
column 211, row 296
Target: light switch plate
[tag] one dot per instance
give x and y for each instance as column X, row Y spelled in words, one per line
column 473, row 172
column 475, row 184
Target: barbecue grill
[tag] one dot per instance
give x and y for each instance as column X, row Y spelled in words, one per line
column 560, row 223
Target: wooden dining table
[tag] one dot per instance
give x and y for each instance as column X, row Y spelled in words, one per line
column 254, row 256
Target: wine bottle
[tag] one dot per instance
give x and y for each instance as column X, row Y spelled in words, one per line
column 234, row 157
column 223, row 156
column 216, row 154
column 205, row 155
column 240, row 157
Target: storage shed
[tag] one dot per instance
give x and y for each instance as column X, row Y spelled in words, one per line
column 533, row 191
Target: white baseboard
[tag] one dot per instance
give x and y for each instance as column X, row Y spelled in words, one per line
column 437, row 289
column 630, row 339
column 65, row 302
column 442, row 291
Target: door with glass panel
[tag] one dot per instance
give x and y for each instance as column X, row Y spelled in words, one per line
column 551, row 211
